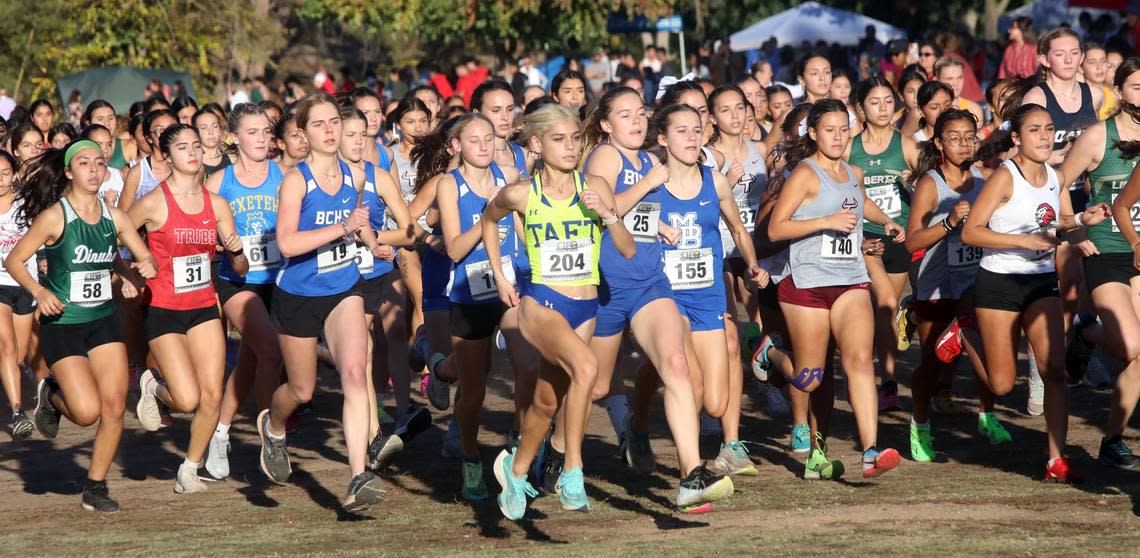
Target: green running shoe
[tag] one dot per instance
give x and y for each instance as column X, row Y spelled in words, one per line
column 989, row 427
column 818, row 466
column 921, row 443
column 474, row 489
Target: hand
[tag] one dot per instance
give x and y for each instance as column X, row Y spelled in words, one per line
column 1039, row 241
column 145, row 268
column 1096, row 214
column 594, row 203
column 958, row 213
column 129, row 289
column 735, row 172
column 844, row 221
column 507, row 293
column 895, row 231
column 111, row 198
column 47, row 303
column 668, row 234
column 232, row 243
column 873, row 247
column 357, row 219
column 1079, row 239
column 384, row 252
column 758, row 276
column 658, row 175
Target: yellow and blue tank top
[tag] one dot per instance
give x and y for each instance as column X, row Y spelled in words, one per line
column 563, row 237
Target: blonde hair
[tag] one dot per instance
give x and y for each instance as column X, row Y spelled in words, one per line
column 542, row 120
column 946, row 62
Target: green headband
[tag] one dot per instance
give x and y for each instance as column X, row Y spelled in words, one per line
column 78, row 146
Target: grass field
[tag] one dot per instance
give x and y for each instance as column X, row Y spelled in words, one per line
column 979, row 501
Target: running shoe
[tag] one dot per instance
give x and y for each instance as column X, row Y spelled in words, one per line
column 438, row 390
column 819, row 466
column 417, row 356
column 1059, row 471
column 921, row 442
column 733, row 460
column 1035, row 406
column 877, row 462
column 777, row 404
column 759, row 362
column 1079, row 350
column 1115, row 453
column 274, row 459
column 571, row 489
column 547, row 467
column 218, row 456
column 889, row 397
column 474, row 489
column 750, row 338
column 901, row 318
column 515, row 490
column 45, row 415
column 382, row 451
column 413, row 422
column 943, row 403
column 949, row 343
column 500, row 340
column 96, row 497
column 187, row 481
column 364, row 491
column 991, row 428
column 147, row 407
column 701, row 487
column 452, row 447
column 20, row 426
column 801, row 438
column 1097, row 374
column 636, row 451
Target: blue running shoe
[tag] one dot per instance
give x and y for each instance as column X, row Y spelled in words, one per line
column 801, row 438
column 515, row 490
column 571, row 490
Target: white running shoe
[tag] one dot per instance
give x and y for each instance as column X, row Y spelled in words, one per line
column 1036, row 404
column 187, row 481
column 147, row 407
column 218, row 456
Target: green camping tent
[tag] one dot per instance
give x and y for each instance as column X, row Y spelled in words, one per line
column 118, row 85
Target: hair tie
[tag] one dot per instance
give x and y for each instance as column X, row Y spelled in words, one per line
column 670, row 80
column 78, row 146
column 1005, row 126
column 803, row 127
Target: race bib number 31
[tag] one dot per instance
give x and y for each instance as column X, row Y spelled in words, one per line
column 191, row 273
column 90, row 288
column 839, row 247
column 690, row 269
column 566, row 260
column 642, row 221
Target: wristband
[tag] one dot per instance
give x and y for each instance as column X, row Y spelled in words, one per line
column 613, row 218
column 946, row 224
column 1078, row 218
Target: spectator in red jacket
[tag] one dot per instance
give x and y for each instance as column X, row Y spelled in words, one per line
column 472, row 75
column 952, row 46
column 1020, row 57
column 440, row 82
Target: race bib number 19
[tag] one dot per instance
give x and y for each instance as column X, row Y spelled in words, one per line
column 335, row 255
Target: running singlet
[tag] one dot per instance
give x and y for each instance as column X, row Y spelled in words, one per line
column 118, row 159
column 748, row 192
column 408, row 174
column 113, row 183
column 182, row 248
column 1108, row 179
column 829, row 258
column 1029, row 210
column 642, row 221
column 695, row 264
column 882, row 179
column 330, row 269
column 147, row 180
column 10, row 233
column 563, row 238
column 472, row 281
column 79, row 267
column 1068, row 125
column 255, row 219
column 520, row 159
column 370, row 267
column 948, row 268
column 222, row 165
column 383, row 160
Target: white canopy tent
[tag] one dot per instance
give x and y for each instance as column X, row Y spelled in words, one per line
column 812, row 22
column 1050, row 13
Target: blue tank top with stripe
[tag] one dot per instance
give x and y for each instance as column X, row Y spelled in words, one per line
column 695, row 264
column 471, row 280
column 370, row 267
column 520, row 159
column 384, row 160
column 331, row 268
column 646, row 263
column 255, row 220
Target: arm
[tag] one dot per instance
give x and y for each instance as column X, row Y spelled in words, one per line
column 511, row 198
column 920, row 232
column 128, row 233
column 130, row 187
column 1085, row 155
column 422, row 203
column 227, row 233
column 458, row 243
column 405, row 233
column 730, row 212
column 976, row 231
column 602, row 202
column 292, row 242
column 45, row 229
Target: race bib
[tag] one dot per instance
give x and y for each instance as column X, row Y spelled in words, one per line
column 960, row 255
column 566, row 260
column 747, row 214
column 887, row 198
column 642, row 221
column 690, row 269
column 90, row 288
column 335, row 255
column 191, row 273
column 839, row 247
column 481, row 280
column 261, row 251
column 365, row 261
column 1133, row 212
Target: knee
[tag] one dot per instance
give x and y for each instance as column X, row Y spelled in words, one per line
column 585, row 371
column 8, row 349
column 210, row 399
column 270, row 358
column 731, row 334
column 185, row 402
column 716, row 405
column 545, row 404
column 674, row 365
column 302, row 393
column 1002, row 384
column 1130, row 350
column 858, row 360
column 600, row 390
column 352, row 379
column 86, row 413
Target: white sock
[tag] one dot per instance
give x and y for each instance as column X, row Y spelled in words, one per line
column 223, row 429
column 188, row 463
column 617, row 407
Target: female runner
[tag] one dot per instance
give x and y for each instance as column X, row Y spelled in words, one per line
column 16, row 304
